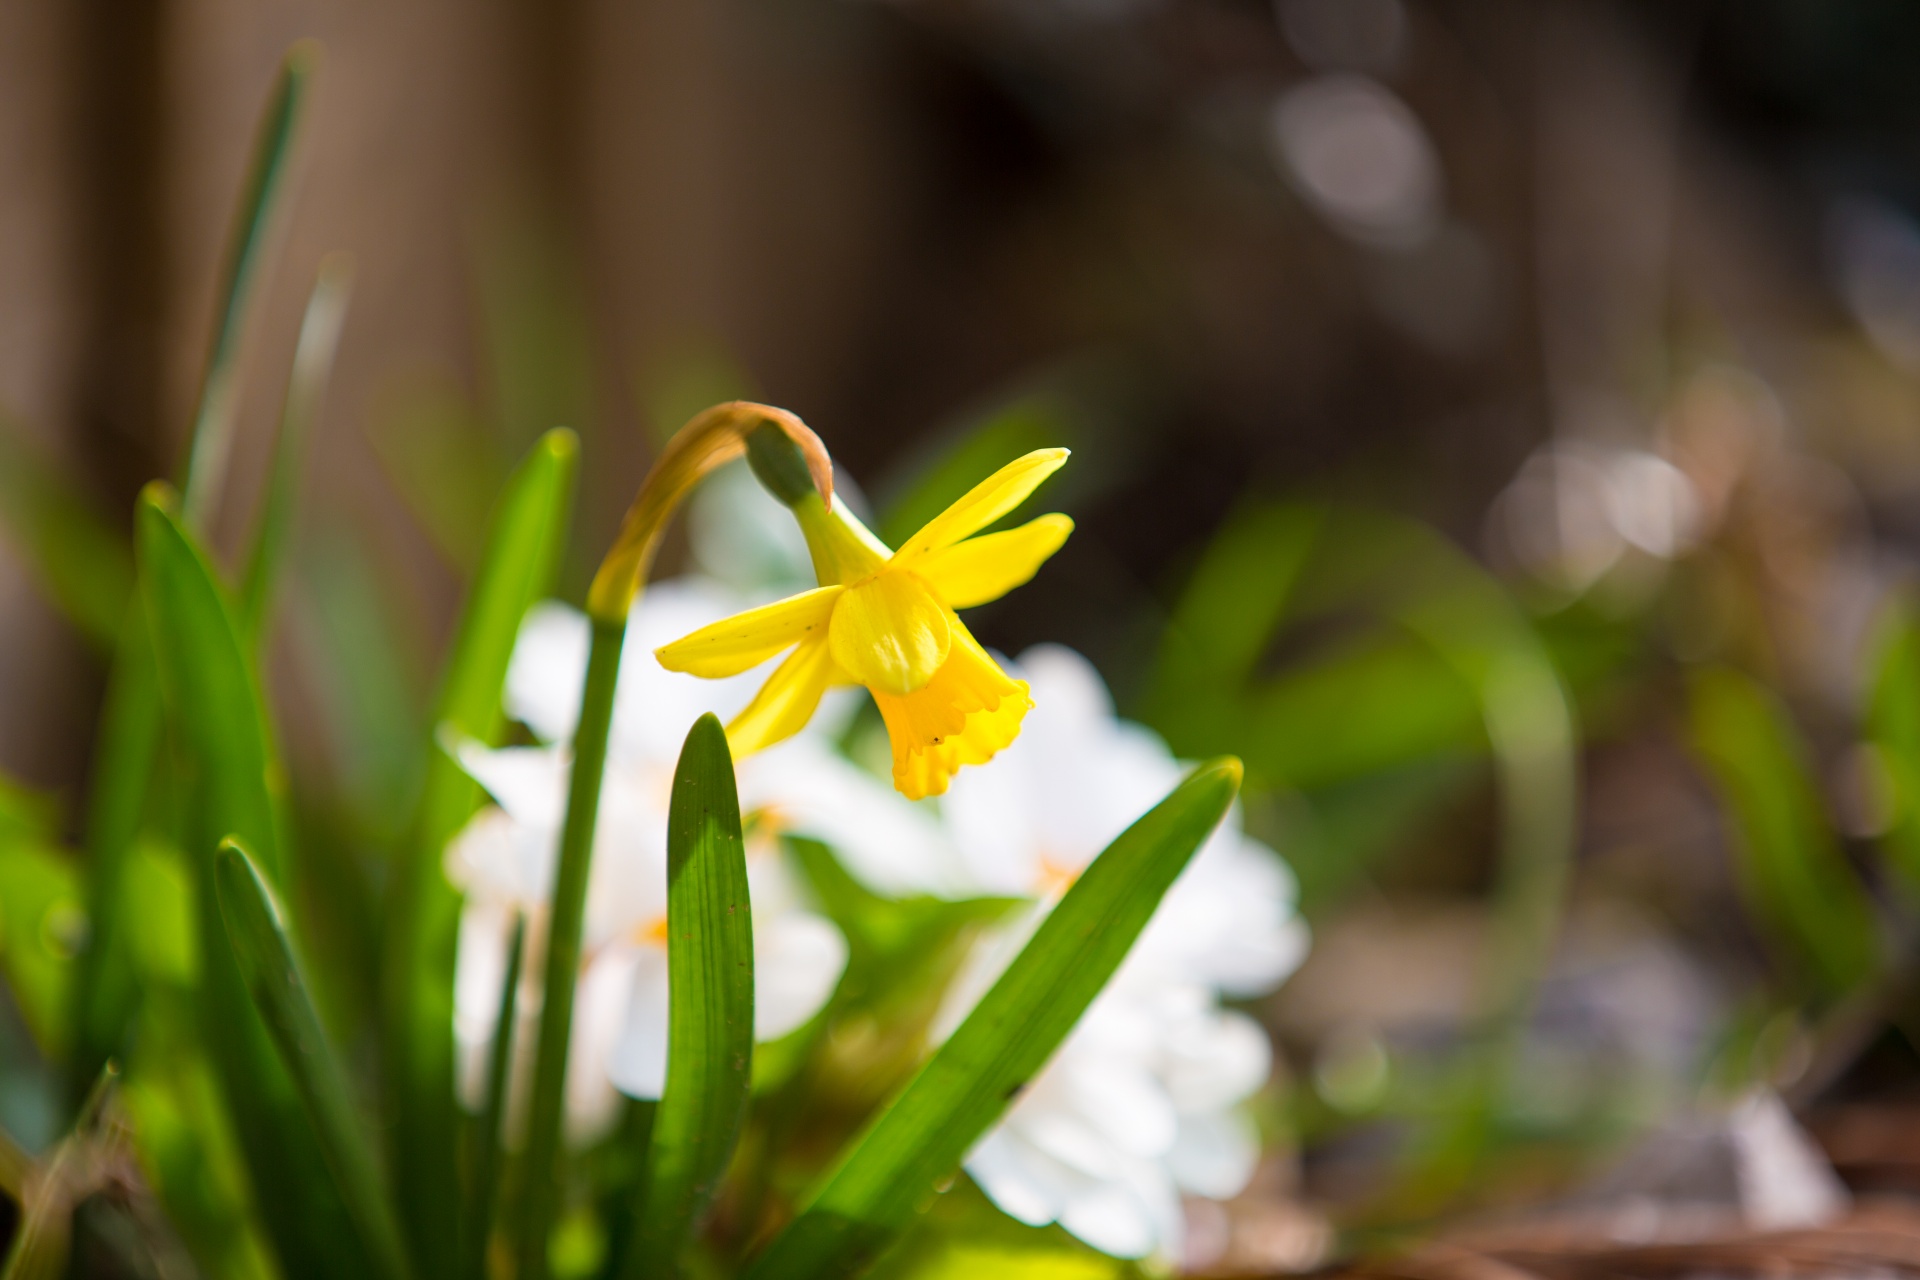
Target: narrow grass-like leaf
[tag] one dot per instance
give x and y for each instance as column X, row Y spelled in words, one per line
column 709, row 1004
column 123, row 763
column 257, row 932
column 218, row 721
column 246, row 247
column 565, row 920
column 1225, row 620
column 423, row 917
column 209, row 679
column 129, row 735
column 1893, row 727
column 306, row 386
column 83, row 564
column 919, row 1140
column 1789, row 865
column 188, row 1149
column 483, row 1191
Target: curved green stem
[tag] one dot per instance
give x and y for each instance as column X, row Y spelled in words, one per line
column 563, row 948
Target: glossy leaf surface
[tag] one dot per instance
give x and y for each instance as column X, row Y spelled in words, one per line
column 919, row 1140
column 257, row 933
column 710, row 1002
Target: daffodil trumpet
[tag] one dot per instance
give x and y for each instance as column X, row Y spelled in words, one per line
column 712, row 438
column 888, row 620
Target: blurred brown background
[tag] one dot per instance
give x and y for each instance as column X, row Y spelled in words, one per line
column 1356, row 247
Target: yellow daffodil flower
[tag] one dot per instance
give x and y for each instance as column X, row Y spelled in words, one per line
column 887, row 620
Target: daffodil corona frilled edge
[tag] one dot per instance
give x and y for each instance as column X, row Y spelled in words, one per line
column 888, row 620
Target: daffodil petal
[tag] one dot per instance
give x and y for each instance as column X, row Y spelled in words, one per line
column 992, row 498
column 736, row 644
column 986, row 568
column 890, row 632
column 970, row 710
column 785, row 702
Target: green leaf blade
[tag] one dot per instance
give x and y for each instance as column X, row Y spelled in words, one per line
column 246, row 247
column 313, row 355
column 1893, row 728
column 208, row 678
column 710, row 1003
column 423, row 916
column 920, row 1139
column 129, row 736
column 1790, row 866
column 123, row 761
column 216, row 716
column 257, row 933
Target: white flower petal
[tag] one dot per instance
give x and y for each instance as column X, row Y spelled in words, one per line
column 890, row 844
column 990, row 813
column 798, row 958
column 530, row 783
column 1121, row 1100
column 1112, row 1219
column 1066, row 1136
column 1072, row 781
column 600, row 1003
column 1215, row 1154
column 654, row 708
column 480, row 967
column 627, row 885
column 638, row 1063
column 547, row 671
column 1029, row 1188
column 1216, row 1061
column 489, row 860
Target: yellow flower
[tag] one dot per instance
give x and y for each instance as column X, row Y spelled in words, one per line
column 886, row 619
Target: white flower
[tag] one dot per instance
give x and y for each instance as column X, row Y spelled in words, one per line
column 1140, row 1104
column 504, row 858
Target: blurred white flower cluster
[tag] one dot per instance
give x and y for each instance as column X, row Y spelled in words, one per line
column 1141, row 1106
column 1142, row 1102
column 504, row 858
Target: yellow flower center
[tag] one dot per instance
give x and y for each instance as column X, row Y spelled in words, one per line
column 890, row 632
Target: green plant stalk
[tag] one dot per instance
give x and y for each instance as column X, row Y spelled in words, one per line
column 257, row 933
column 547, row 1110
column 313, row 355
column 917, row 1142
column 484, row 1190
column 709, row 1006
column 423, row 911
